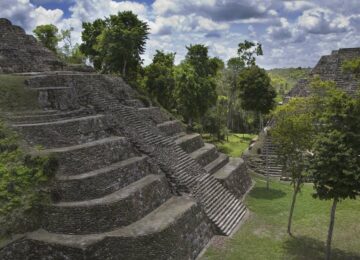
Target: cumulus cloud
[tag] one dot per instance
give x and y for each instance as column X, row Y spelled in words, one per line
column 323, row 21
column 28, row 16
column 280, row 32
column 218, row 10
column 294, row 6
column 88, row 10
column 185, row 24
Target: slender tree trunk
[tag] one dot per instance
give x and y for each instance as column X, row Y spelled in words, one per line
column 331, row 229
column 124, row 69
column 296, row 190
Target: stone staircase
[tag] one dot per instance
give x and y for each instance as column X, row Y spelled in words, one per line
column 266, row 163
column 119, row 169
column 189, row 173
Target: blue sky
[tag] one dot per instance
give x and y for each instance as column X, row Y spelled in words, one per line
column 293, row 33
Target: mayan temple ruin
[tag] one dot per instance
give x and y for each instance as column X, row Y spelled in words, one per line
column 131, row 182
column 328, row 68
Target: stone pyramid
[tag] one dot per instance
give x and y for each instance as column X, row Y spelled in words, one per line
column 131, row 182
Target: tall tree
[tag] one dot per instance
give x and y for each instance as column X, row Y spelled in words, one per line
column 194, row 94
column 89, row 36
column 48, row 35
column 335, row 164
column 293, row 133
column 247, row 50
column 116, row 43
column 160, row 78
column 256, row 92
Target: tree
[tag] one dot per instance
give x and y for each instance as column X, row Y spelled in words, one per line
column 247, row 50
column 89, row 36
column 256, row 92
column 246, row 57
column 335, row 168
column 335, row 164
column 198, row 57
column 47, row 34
column 215, row 119
column 160, row 79
column 116, row 43
column 293, row 133
column 194, row 94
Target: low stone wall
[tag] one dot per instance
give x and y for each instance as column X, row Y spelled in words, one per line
column 64, row 98
column 191, row 144
column 171, row 128
column 66, row 132
column 116, row 210
column 154, row 114
column 184, row 239
column 235, row 178
column 100, row 182
column 87, row 157
column 180, row 237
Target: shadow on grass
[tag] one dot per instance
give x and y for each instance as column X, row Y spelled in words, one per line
column 263, row 193
column 304, row 247
column 243, row 138
column 225, row 150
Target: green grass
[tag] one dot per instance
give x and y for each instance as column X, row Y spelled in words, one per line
column 263, row 235
column 15, row 96
column 234, row 146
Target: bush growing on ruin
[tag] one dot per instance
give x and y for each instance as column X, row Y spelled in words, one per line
column 48, row 35
column 22, row 181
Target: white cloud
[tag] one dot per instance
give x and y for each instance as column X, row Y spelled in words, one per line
column 323, row 21
column 283, row 31
column 218, row 10
column 293, row 6
column 28, row 16
column 89, row 10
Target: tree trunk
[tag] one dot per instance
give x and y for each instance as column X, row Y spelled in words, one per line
column 261, row 122
column 331, row 229
column 296, row 190
column 124, row 69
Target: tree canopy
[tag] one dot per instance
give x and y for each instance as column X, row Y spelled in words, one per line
column 47, row 34
column 115, row 44
column 256, row 91
column 160, row 78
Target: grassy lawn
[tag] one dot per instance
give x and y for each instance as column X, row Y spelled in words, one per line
column 234, row 146
column 15, row 96
column 263, row 235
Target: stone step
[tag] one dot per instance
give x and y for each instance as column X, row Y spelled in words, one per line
column 156, row 233
column 217, row 163
column 212, row 196
column 90, row 156
column 134, row 103
column 100, row 182
column 234, row 176
column 117, row 209
column 171, row 128
column 205, row 154
column 48, row 117
column 190, row 142
column 154, row 114
column 65, row 132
